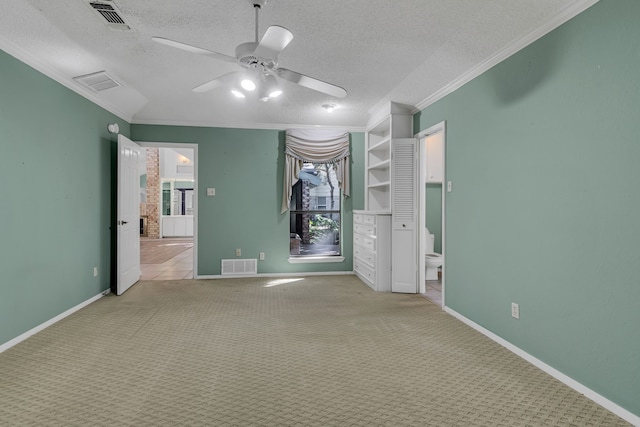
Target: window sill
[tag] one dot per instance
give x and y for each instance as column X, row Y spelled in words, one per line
column 315, row 259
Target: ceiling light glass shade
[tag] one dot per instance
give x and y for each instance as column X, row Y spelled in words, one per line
column 248, row 84
column 271, row 87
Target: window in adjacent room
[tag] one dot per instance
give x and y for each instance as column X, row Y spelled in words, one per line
column 315, row 212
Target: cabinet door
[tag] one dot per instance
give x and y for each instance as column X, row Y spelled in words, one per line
column 168, row 226
column 181, row 226
column 404, row 217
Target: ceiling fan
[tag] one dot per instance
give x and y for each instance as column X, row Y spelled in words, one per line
column 260, row 58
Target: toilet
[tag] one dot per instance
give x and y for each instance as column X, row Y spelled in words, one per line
column 432, row 260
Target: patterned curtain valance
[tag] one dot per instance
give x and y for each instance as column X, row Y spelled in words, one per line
column 317, row 145
column 314, row 146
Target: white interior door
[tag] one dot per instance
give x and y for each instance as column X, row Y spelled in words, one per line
column 404, row 216
column 128, row 220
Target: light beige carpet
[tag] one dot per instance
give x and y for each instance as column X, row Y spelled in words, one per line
column 322, row 351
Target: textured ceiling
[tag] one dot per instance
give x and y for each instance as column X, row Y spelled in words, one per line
column 407, row 51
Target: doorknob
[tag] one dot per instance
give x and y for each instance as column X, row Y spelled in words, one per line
column 125, row 222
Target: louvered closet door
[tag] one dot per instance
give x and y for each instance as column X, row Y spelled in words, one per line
column 404, row 216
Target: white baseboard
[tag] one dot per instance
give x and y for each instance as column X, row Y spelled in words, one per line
column 306, row 274
column 580, row 388
column 40, row 327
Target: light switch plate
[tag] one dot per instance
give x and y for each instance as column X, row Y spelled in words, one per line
column 211, row 191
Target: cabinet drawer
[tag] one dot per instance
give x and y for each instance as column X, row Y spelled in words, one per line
column 365, row 256
column 364, row 271
column 369, row 219
column 364, row 241
column 357, row 218
column 364, row 229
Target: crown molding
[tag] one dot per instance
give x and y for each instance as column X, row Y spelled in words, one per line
column 263, row 126
column 512, row 48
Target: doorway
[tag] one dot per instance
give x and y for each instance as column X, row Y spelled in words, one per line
column 168, row 211
column 431, row 213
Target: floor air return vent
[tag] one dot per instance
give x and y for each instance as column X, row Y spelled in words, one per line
column 239, row 267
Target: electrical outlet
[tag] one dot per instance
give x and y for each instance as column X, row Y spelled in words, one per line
column 95, row 271
column 211, row 191
column 261, row 256
column 238, row 252
column 515, row 310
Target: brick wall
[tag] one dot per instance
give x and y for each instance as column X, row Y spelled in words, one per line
column 151, row 209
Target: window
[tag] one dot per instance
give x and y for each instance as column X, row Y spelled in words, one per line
column 321, row 202
column 177, row 197
column 315, row 212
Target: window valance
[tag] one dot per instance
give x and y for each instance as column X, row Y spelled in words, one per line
column 315, row 146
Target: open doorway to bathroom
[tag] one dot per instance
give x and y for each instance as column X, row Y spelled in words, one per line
column 168, row 211
column 431, row 213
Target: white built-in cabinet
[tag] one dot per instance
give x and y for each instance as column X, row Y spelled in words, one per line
column 371, row 248
column 394, row 122
column 391, row 191
column 177, row 226
column 404, row 216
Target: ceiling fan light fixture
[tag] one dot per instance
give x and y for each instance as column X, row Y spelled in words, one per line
column 271, row 87
column 248, row 84
column 268, row 88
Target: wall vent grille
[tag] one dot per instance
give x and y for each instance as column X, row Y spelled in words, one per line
column 97, row 82
column 110, row 13
column 244, row 267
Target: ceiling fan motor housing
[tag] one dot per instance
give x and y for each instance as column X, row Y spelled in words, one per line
column 248, row 59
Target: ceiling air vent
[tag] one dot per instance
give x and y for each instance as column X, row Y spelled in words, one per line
column 97, row 82
column 110, row 13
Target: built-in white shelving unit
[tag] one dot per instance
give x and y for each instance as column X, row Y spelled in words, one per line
column 392, row 121
column 373, row 228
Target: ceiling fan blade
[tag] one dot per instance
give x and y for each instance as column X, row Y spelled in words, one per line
column 311, row 83
column 194, row 49
column 215, row 83
column 273, row 42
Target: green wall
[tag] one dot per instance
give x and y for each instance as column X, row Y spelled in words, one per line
column 55, row 218
column 55, row 210
column 245, row 166
column 544, row 154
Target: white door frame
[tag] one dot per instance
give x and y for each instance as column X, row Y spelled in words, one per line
column 194, row 147
column 437, row 128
